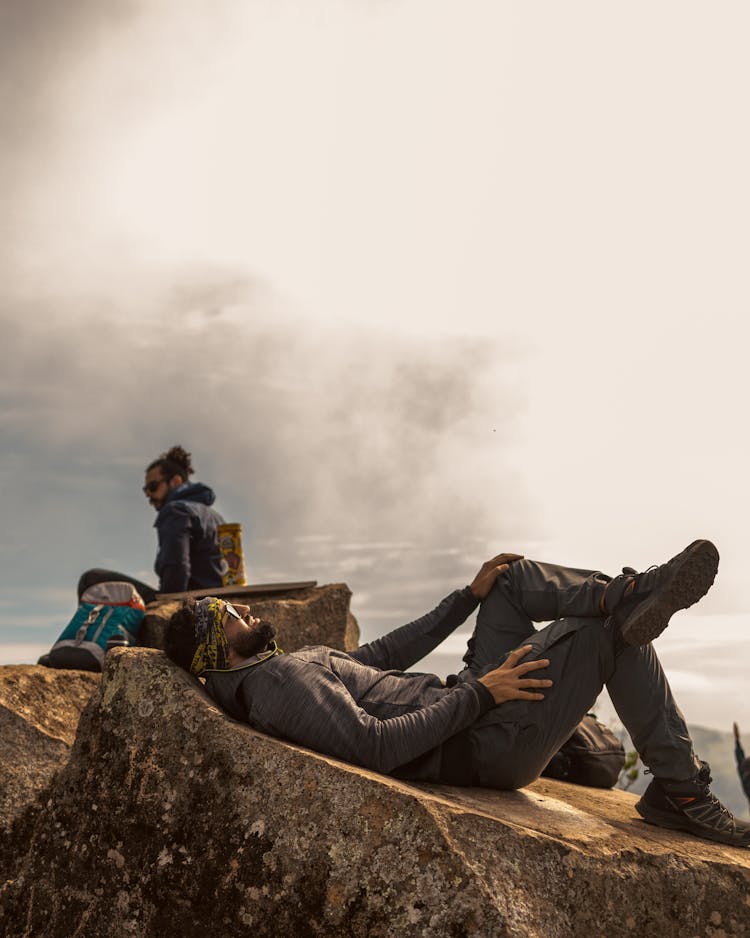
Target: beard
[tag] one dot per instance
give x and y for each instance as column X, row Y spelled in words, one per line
column 250, row 643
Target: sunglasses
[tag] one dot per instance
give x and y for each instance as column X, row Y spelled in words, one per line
column 150, row 487
column 229, row 608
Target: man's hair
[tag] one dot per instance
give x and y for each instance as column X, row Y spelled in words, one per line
column 175, row 462
column 180, row 642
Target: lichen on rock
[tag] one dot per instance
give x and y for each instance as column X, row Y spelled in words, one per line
column 39, row 713
column 203, row 825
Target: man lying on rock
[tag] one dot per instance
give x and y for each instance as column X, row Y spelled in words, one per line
column 511, row 708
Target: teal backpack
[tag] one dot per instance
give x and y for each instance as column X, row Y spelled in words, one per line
column 109, row 612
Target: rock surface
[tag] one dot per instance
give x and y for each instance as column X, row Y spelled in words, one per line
column 39, row 712
column 171, row 818
column 40, row 707
column 316, row 616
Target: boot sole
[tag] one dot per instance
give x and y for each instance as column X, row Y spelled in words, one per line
column 678, row 822
column 692, row 577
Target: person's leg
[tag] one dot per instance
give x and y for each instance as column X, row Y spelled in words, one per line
column 640, row 604
column 530, row 592
column 513, row 743
column 583, row 658
column 643, row 700
column 585, row 655
column 97, row 575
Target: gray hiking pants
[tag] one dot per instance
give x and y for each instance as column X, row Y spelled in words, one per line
column 511, row 744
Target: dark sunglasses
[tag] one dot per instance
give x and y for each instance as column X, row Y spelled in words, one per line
column 150, row 487
column 228, row 607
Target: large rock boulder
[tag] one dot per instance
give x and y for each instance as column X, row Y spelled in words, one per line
column 314, row 616
column 171, row 818
column 40, row 707
column 39, row 713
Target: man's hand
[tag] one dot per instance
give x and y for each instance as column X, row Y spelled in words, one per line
column 508, row 682
column 482, row 582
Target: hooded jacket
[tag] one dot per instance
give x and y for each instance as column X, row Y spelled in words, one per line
column 188, row 556
column 363, row 707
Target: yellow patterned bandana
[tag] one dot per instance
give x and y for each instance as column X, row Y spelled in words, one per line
column 213, row 647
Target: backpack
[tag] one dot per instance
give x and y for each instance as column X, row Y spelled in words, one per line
column 592, row 756
column 110, row 612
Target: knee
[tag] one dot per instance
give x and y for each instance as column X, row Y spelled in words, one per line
column 498, row 598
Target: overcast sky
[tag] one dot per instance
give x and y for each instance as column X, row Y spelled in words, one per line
column 414, row 281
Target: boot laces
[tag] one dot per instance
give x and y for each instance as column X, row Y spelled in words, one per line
column 628, row 587
column 703, row 781
column 644, row 581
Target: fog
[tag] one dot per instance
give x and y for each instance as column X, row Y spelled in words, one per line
column 413, row 281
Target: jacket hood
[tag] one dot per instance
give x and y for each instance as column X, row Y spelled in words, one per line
column 191, row 492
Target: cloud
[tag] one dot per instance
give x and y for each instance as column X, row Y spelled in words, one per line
column 303, row 430
column 40, row 44
column 114, row 348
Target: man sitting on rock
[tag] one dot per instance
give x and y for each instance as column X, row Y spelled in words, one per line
column 189, row 556
column 508, row 712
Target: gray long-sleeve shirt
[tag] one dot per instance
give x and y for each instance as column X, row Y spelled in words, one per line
column 361, row 707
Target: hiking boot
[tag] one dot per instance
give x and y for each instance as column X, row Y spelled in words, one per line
column 641, row 604
column 690, row 806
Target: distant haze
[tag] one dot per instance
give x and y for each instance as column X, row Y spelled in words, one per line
column 414, row 281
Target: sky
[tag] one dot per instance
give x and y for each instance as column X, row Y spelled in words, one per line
column 415, row 282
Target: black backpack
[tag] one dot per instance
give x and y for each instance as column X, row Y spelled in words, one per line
column 592, row 756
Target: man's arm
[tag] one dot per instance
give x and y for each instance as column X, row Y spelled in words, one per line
column 173, row 559
column 402, row 648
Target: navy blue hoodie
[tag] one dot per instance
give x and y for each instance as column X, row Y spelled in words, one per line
column 188, row 556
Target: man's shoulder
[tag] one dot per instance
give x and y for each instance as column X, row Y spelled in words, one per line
column 192, row 508
column 184, row 508
column 195, row 493
column 226, row 687
column 258, row 665
column 313, row 652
